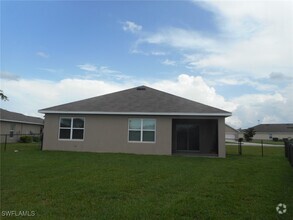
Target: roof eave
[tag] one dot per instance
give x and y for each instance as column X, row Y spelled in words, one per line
column 21, row 122
column 224, row 114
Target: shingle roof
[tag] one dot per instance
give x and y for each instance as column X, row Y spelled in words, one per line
column 139, row 100
column 229, row 128
column 274, row 128
column 20, row 118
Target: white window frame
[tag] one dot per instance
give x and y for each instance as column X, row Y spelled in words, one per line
column 142, row 130
column 71, row 128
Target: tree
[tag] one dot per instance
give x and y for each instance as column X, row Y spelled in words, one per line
column 248, row 134
column 3, row 97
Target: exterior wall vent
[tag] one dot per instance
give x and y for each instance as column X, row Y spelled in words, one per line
column 141, row 88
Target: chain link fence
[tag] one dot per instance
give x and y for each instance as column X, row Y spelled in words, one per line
column 7, row 139
column 255, row 147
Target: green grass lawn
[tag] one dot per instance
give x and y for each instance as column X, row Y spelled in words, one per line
column 279, row 142
column 71, row 185
column 264, row 141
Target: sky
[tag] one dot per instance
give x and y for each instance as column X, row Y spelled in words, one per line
column 233, row 55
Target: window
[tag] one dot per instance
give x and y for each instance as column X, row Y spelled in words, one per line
column 71, row 128
column 141, row 130
column 11, row 132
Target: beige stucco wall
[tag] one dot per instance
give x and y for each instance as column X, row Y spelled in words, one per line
column 108, row 133
column 266, row 135
column 221, row 137
column 19, row 129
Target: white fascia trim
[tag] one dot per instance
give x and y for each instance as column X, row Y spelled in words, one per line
column 135, row 113
column 21, row 122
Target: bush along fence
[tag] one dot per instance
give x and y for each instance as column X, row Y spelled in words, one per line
column 289, row 150
column 21, row 138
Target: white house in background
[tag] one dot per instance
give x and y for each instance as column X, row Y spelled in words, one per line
column 231, row 133
column 270, row 131
column 14, row 124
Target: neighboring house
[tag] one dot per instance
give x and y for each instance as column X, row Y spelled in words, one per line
column 15, row 124
column 140, row 120
column 231, row 133
column 270, row 131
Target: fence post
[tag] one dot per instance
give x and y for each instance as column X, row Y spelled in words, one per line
column 240, row 148
column 262, row 148
column 41, row 137
column 286, row 142
column 290, row 154
column 5, row 142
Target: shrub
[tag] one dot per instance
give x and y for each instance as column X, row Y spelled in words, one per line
column 36, row 139
column 275, row 139
column 248, row 134
column 25, row 139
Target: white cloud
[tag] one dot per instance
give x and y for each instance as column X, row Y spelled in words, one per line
column 87, row 67
column 169, row 62
column 135, row 50
column 50, row 70
column 258, row 37
column 235, row 81
column 266, row 108
column 106, row 70
column 94, row 68
column 42, row 54
column 234, row 121
column 98, row 71
column 255, row 39
column 158, row 53
column 131, row 26
column 260, row 99
column 180, row 38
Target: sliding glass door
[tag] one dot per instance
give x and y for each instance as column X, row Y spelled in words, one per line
column 187, row 137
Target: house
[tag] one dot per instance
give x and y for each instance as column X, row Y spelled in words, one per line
column 140, row 120
column 270, row 131
column 231, row 133
column 13, row 125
